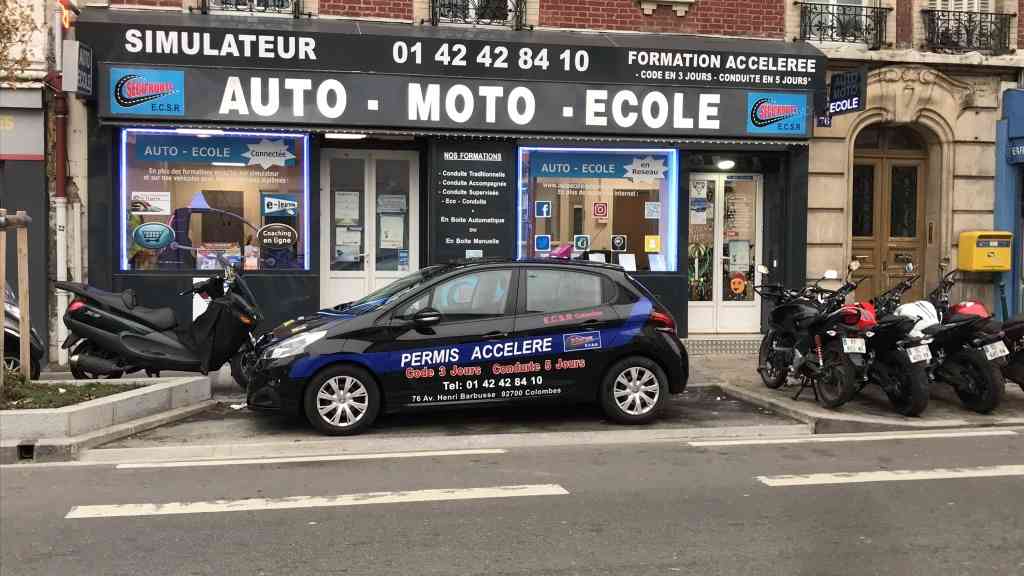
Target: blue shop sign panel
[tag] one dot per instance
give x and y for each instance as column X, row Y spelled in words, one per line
column 222, row 150
column 1015, row 151
column 777, row 114
column 147, row 92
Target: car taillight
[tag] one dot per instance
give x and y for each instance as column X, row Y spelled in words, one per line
column 663, row 321
column 851, row 317
column 76, row 305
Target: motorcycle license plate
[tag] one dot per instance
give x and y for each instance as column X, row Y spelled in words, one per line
column 854, row 346
column 919, row 354
column 996, row 350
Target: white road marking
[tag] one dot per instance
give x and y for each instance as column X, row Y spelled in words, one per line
column 297, row 459
column 892, row 476
column 298, row 502
column 854, row 438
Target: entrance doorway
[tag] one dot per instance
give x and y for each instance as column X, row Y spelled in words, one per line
column 723, row 252
column 368, row 225
column 888, row 208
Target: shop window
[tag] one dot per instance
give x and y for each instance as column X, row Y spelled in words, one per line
column 195, row 198
column 610, row 205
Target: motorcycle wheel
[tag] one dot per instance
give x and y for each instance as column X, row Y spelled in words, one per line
column 984, row 386
column 238, row 362
column 836, row 383
column 769, row 364
column 87, row 347
column 910, row 396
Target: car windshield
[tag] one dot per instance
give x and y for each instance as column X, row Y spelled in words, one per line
column 390, row 292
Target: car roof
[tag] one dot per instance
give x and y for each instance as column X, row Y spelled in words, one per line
column 556, row 262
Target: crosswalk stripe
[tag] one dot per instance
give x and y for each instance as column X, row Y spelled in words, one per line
column 891, row 476
column 298, row 502
column 300, row 459
column 852, row 438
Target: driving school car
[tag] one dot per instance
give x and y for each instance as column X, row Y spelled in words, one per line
column 471, row 334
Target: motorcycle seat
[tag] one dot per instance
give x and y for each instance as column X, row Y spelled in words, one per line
column 124, row 302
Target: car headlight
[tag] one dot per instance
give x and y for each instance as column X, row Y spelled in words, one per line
column 296, row 344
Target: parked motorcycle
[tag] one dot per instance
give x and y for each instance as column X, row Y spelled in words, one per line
column 897, row 359
column 812, row 340
column 112, row 335
column 965, row 346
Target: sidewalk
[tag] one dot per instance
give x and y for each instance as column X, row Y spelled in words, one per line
column 870, row 411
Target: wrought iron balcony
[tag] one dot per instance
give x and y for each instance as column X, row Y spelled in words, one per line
column 510, row 13
column 283, row 7
column 953, row 31
column 840, row 23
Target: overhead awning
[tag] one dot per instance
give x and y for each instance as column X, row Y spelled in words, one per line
column 384, row 76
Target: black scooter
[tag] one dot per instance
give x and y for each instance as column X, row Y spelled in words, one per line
column 111, row 335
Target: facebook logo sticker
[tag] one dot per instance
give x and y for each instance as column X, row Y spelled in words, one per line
column 542, row 209
column 542, row 243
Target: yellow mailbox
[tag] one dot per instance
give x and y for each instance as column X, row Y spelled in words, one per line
column 985, row 251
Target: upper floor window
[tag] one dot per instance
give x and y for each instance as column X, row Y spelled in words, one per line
column 280, row 7
column 966, row 26
column 488, row 12
column 849, row 21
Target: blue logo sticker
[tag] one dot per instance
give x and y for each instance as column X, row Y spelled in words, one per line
column 776, row 113
column 153, row 235
column 542, row 243
column 542, row 209
column 147, row 92
column 581, row 341
column 581, row 242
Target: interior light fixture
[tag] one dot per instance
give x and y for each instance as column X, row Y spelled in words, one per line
column 344, row 136
column 726, row 164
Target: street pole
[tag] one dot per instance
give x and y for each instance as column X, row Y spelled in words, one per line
column 24, row 328
column 3, row 275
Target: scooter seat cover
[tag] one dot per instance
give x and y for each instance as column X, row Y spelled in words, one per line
column 124, row 303
column 159, row 318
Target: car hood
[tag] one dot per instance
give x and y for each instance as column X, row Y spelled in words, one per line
column 323, row 320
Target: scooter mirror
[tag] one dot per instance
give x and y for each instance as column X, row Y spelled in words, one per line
column 909, row 268
column 762, row 269
column 831, row 275
column 854, row 265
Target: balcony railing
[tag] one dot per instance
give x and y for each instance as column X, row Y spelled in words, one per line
column 839, row 23
column 952, row 31
column 511, row 13
column 283, row 7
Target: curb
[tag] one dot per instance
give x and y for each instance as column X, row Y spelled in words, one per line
column 823, row 421
column 67, row 448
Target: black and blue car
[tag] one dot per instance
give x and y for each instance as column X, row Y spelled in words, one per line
column 476, row 333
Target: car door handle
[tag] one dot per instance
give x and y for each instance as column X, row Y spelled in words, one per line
column 496, row 335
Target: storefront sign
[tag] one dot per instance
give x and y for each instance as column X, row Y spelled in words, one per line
column 219, row 95
column 280, row 205
column 639, row 168
column 395, row 50
column 847, row 92
column 1015, row 151
column 472, row 202
column 77, row 69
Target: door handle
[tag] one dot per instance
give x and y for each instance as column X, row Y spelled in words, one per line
column 495, row 335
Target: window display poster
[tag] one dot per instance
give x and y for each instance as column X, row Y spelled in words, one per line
column 657, row 262
column 391, row 203
column 739, row 256
column 628, row 262
column 392, row 231
column 347, row 244
column 652, row 210
column 346, row 207
column 151, row 203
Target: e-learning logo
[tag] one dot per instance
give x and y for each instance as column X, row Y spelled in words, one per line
column 776, row 113
column 147, row 92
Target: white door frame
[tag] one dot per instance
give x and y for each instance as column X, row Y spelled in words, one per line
column 719, row 316
column 337, row 286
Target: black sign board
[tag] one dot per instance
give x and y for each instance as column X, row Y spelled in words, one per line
column 472, row 200
column 77, row 68
column 404, row 50
column 847, row 92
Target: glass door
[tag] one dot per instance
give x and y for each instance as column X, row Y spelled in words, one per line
column 723, row 251
column 370, row 210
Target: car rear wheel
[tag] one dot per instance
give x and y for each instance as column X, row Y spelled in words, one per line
column 342, row 400
column 634, row 390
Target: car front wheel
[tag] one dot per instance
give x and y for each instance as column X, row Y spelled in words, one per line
column 634, row 390
column 342, row 400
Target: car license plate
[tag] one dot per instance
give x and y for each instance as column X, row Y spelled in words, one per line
column 996, row 350
column 854, row 346
column 919, row 354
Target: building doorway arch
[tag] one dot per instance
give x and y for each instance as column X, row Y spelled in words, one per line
column 889, row 203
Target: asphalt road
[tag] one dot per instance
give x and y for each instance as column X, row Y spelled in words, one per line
column 667, row 508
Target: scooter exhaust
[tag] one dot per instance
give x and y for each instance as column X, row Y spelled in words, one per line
column 94, row 364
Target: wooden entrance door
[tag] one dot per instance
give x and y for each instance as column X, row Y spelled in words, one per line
column 888, row 222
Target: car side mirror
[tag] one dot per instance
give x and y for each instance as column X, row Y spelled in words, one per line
column 762, row 269
column 909, row 268
column 831, row 275
column 854, row 265
column 426, row 317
